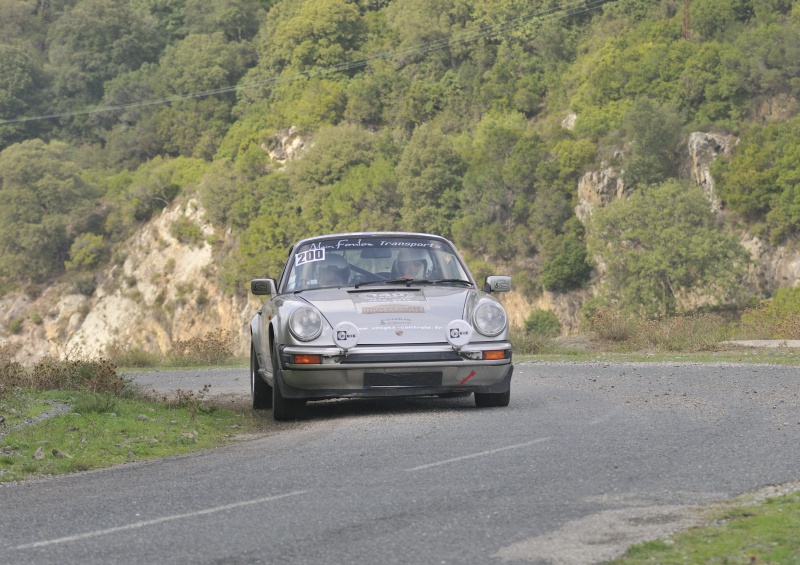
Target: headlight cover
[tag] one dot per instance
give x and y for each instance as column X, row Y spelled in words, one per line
column 489, row 318
column 305, row 323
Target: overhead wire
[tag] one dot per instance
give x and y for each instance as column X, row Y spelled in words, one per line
column 569, row 9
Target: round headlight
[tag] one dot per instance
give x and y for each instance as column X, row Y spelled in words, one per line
column 305, row 323
column 489, row 318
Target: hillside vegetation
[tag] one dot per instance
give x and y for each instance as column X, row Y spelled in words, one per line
column 445, row 116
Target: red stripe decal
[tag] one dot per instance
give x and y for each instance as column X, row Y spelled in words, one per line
column 472, row 374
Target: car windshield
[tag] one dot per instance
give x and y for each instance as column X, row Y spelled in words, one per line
column 373, row 260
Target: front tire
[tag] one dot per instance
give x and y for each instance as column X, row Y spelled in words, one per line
column 283, row 408
column 260, row 391
column 492, row 399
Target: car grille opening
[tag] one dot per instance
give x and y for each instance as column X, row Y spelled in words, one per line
column 433, row 378
column 355, row 358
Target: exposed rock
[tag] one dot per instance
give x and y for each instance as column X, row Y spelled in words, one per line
column 285, row 145
column 773, row 267
column 569, row 121
column 165, row 290
column 704, row 148
column 780, row 107
column 597, row 189
column 566, row 307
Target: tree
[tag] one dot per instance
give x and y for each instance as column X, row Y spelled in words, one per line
column 44, row 205
column 430, row 173
column 24, row 23
column 238, row 19
column 334, row 151
column 654, row 132
column 20, row 82
column 130, row 135
column 712, row 18
column 569, row 268
column 199, row 63
column 86, row 252
column 762, row 179
column 93, row 42
column 661, row 247
column 310, row 34
column 151, row 188
column 424, row 22
column 498, row 187
column 365, row 199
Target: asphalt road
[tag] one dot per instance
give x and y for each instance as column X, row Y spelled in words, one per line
column 587, row 459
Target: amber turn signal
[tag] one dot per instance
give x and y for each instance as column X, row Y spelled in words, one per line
column 494, row 355
column 308, row 359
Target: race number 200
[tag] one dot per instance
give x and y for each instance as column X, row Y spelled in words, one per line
column 309, row 256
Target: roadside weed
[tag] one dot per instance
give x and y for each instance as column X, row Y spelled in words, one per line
column 749, row 534
column 97, row 431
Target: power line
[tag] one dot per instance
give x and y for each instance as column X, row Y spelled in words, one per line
column 566, row 10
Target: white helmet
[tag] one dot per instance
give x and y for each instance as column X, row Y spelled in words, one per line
column 412, row 262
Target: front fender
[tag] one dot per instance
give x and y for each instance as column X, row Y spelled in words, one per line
column 261, row 343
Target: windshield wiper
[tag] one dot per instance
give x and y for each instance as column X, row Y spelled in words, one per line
column 451, row 281
column 406, row 282
column 409, row 282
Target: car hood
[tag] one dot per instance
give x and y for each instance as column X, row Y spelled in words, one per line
column 394, row 315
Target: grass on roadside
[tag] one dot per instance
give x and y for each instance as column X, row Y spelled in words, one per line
column 612, row 335
column 101, row 429
column 76, row 414
column 740, row 534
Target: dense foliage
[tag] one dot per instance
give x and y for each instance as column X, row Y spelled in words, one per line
column 429, row 115
column 668, row 248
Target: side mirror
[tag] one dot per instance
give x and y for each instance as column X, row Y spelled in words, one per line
column 497, row 283
column 265, row 287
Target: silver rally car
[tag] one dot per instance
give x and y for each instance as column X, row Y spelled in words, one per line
column 375, row 315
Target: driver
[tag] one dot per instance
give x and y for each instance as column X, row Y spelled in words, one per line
column 334, row 271
column 411, row 264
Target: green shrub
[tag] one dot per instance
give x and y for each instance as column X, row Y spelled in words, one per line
column 608, row 324
column 85, row 284
column 186, row 231
column 15, row 327
column 567, row 270
column 701, row 332
column 12, row 373
column 96, row 375
column 127, row 356
column 696, row 332
column 543, row 323
column 97, row 403
column 214, row 348
column 777, row 318
column 86, row 252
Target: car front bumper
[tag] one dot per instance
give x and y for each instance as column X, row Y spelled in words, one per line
column 378, row 371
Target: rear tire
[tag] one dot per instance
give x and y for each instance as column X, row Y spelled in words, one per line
column 492, row 399
column 283, row 408
column 260, row 391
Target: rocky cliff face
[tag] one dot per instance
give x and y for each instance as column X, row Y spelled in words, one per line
column 598, row 189
column 163, row 291
column 704, row 148
column 773, row 266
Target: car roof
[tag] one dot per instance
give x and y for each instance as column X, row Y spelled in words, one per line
column 372, row 234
